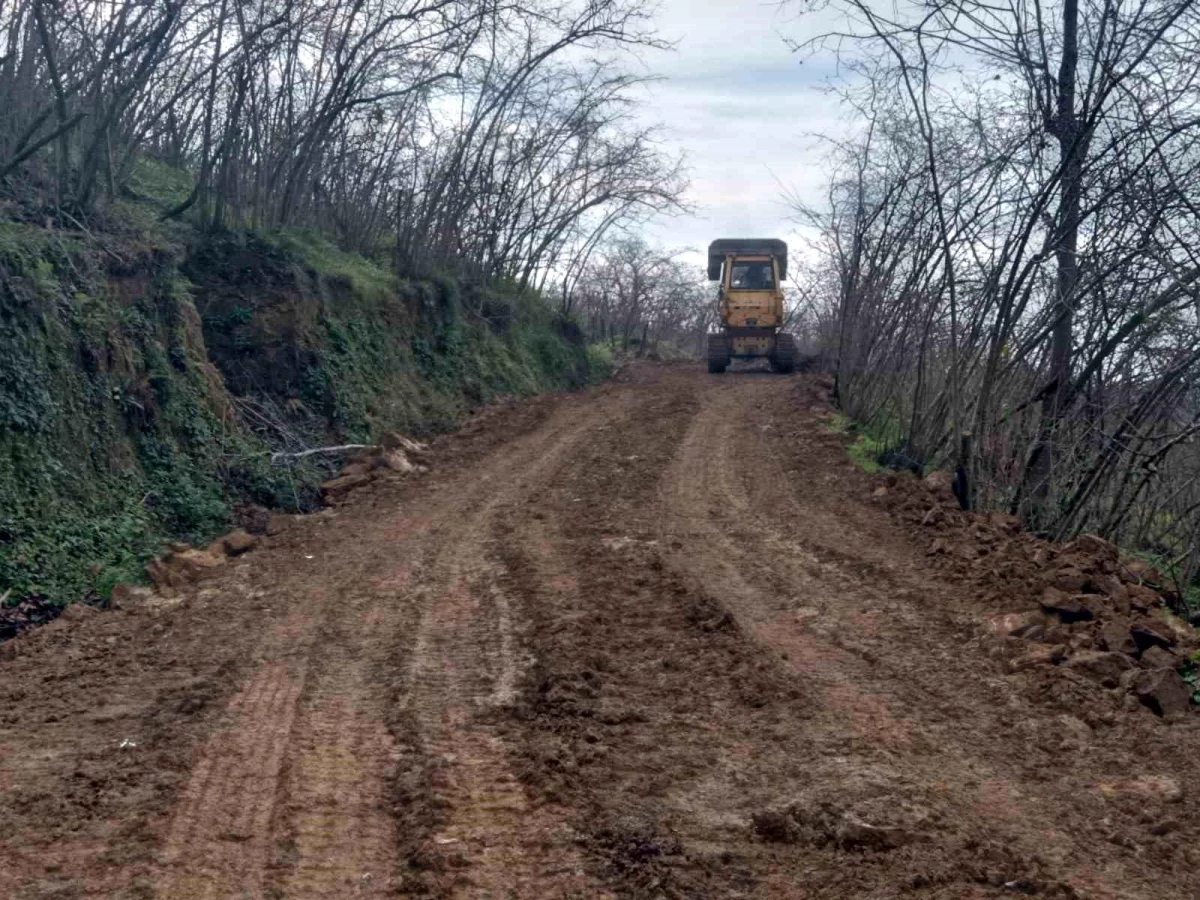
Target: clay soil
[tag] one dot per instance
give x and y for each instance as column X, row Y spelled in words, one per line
column 657, row 639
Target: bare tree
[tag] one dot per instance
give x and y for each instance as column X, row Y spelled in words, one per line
column 1015, row 224
column 469, row 132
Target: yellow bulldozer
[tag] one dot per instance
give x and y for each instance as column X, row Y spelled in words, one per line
column 749, row 303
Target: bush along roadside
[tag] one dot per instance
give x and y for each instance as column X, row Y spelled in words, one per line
column 144, row 386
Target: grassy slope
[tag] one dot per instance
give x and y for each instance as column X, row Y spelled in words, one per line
column 127, row 419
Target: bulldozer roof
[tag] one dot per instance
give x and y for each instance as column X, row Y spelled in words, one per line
column 722, row 247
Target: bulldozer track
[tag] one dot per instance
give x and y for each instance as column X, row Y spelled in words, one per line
column 219, row 841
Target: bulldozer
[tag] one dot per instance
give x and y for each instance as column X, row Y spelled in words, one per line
column 749, row 303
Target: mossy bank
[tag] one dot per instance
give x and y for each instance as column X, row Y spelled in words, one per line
column 145, row 382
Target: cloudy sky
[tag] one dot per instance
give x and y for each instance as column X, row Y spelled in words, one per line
column 743, row 109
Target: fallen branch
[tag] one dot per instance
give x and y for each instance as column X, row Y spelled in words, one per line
column 94, row 239
column 343, row 448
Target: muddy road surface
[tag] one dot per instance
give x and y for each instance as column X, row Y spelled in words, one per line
column 655, row 639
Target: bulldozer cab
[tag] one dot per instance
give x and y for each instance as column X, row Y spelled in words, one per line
column 743, row 253
column 751, row 274
column 750, row 270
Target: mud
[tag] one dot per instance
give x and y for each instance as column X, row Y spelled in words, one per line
column 655, row 639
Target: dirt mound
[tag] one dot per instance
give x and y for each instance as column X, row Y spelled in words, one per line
column 1054, row 611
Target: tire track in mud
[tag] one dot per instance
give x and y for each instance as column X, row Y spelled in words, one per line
column 640, row 691
column 293, row 794
column 793, row 593
column 336, row 835
column 486, row 838
column 725, row 541
column 865, row 628
column 220, row 836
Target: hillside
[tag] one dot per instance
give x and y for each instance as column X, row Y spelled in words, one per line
column 148, row 373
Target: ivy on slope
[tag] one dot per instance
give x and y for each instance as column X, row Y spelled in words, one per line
column 123, row 369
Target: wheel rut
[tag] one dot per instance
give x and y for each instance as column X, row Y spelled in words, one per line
column 219, row 840
column 864, row 629
column 489, row 839
column 293, row 795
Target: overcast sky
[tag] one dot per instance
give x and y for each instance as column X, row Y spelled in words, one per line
column 742, row 108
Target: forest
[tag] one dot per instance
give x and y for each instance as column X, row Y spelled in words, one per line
column 489, row 135
column 1008, row 274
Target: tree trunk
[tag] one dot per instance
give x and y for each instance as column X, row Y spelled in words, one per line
column 1039, row 471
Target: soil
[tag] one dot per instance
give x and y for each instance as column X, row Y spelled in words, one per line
column 654, row 639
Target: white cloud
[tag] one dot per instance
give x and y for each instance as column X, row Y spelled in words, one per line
column 743, row 109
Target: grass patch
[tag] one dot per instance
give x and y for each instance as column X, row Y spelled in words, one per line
column 863, row 450
column 869, row 441
column 368, row 279
column 158, row 181
column 601, row 363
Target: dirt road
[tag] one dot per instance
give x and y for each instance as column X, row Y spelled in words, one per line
column 655, row 639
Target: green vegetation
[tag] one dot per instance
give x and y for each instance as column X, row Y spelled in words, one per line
column 122, row 421
column 601, row 362
column 114, row 436
column 158, row 181
column 368, row 280
column 1191, row 674
column 864, row 450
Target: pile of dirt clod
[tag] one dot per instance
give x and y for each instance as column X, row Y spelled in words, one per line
column 1076, row 612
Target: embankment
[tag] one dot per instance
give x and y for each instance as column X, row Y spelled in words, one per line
column 146, row 378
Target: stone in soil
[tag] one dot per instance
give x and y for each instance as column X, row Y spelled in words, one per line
column 1161, row 788
column 123, row 595
column 1030, row 624
column 1142, row 598
column 1148, row 636
column 398, row 462
column 1158, row 658
column 1113, row 588
column 1116, row 636
column 1070, row 581
column 1137, row 571
column 1067, row 608
column 336, row 488
column 393, row 441
column 1163, row 691
column 238, row 542
column 180, row 568
column 1092, row 545
column 854, row 834
column 78, row 612
column 1102, row 666
column 1041, row 655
